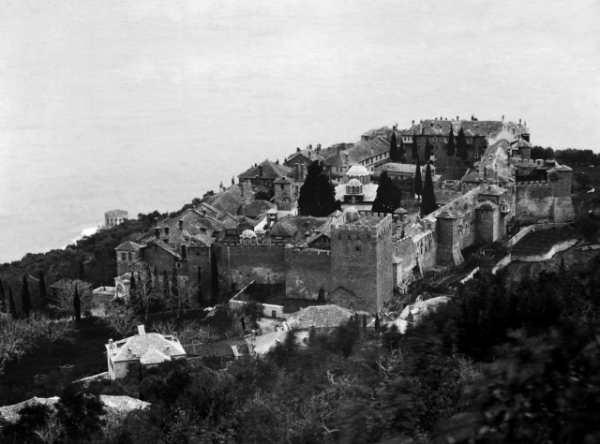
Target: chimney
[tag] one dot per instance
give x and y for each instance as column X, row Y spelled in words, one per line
column 111, row 344
column 519, row 122
column 502, row 118
column 180, row 224
column 141, row 329
column 298, row 149
column 233, row 181
column 413, row 123
column 166, row 230
column 221, row 187
column 457, row 118
column 319, row 148
column 157, row 232
column 309, row 155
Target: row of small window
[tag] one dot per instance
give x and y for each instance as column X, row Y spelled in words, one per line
column 469, row 140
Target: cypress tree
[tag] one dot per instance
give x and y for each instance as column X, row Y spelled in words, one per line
column 401, row 152
column 81, row 270
column 461, row 145
column 43, row 290
column 393, row 148
column 427, row 151
column 25, row 297
column 243, row 323
column 428, row 205
column 321, row 296
column 364, row 324
column 77, row 304
column 3, row 306
column 377, row 323
column 388, row 196
column 450, row 146
column 12, row 308
column 317, row 195
column 133, row 292
column 415, row 150
column 418, row 180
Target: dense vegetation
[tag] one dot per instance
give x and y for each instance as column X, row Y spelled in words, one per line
column 502, row 362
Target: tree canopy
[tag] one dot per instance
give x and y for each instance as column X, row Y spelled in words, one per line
column 428, row 204
column 389, row 196
column 450, row 146
column 418, row 180
column 461, row 145
column 317, row 195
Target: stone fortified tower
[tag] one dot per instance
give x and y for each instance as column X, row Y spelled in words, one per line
column 361, row 262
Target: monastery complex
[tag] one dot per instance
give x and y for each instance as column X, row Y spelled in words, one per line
column 251, row 230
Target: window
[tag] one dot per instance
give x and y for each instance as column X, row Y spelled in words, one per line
column 357, row 248
column 273, row 314
column 476, row 156
column 123, row 256
column 177, row 264
column 435, row 139
column 128, row 256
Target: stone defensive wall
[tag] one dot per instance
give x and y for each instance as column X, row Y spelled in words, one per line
column 306, row 271
column 378, row 229
column 534, row 201
column 560, row 246
column 532, row 229
column 239, row 264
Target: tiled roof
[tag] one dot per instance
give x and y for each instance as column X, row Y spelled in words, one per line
column 358, row 170
column 335, row 160
column 129, row 246
column 135, row 347
column 492, row 190
column 309, row 154
column 283, row 228
column 319, row 316
column 366, row 149
column 384, row 131
column 153, row 356
column 486, row 128
column 116, row 213
column 255, row 209
column 271, row 170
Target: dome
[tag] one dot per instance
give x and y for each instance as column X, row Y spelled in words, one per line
column 351, row 215
column 247, row 234
column 354, row 183
column 357, row 171
column 354, row 187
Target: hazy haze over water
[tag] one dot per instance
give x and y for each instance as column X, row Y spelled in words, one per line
column 144, row 105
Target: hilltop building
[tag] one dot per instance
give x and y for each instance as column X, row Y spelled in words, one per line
column 115, row 217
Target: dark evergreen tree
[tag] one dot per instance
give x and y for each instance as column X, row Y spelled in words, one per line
column 418, row 180
column 389, row 196
column 317, row 195
column 25, row 297
column 377, row 323
column 321, row 296
column 428, row 149
column 77, row 304
column 243, row 323
column 133, row 301
column 415, row 150
column 43, row 291
column 450, row 146
column 428, row 204
column 394, row 148
column 3, row 306
column 461, row 145
column 364, row 321
column 81, row 271
column 401, row 152
column 12, row 308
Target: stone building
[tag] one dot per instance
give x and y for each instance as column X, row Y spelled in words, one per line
column 115, row 217
column 141, row 351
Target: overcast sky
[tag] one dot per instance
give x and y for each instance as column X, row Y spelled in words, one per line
column 305, row 71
